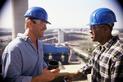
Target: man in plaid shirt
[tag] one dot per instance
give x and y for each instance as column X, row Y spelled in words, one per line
column 106, row 62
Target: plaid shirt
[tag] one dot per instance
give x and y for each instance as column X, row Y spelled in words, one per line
column 106, row 63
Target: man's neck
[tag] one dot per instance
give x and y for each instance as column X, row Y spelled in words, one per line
column 106, row 39
column 32, row 37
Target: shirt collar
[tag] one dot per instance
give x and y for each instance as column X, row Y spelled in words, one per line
column 110, row 42
column 22, row 36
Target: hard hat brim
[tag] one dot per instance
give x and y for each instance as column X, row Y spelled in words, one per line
column 38, row 19
column 47, row 22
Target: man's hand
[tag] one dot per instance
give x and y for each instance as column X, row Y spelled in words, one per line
column 46, row 76
column 71, row 77
column 76, row 76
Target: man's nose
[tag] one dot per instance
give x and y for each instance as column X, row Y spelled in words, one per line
column 90, row 31
column 45, row 27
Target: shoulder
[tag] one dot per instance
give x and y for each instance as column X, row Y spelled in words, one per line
column 13, row 45
column 117, row 50
column 12, row 50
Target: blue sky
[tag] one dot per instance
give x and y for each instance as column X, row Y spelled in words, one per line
column 70, row 13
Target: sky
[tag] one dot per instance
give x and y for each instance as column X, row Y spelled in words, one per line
column 67, row 13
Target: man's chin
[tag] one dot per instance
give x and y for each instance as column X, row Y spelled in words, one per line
column 40, row 37
column 93, row 39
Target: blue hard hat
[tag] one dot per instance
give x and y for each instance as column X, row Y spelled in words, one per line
column 102, row 16
column 37, row 13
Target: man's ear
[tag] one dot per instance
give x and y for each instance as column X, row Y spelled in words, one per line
column 29, row 24
column 27, row 21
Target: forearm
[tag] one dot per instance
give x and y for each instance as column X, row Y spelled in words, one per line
column 46, row 76
column 38, row 79
column 35, row 79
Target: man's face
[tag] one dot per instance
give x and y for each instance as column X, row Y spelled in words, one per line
column 97, row 32
column 38, row 28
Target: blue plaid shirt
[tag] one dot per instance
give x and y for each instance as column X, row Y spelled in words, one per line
column 106, row 63
column 21, row 61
